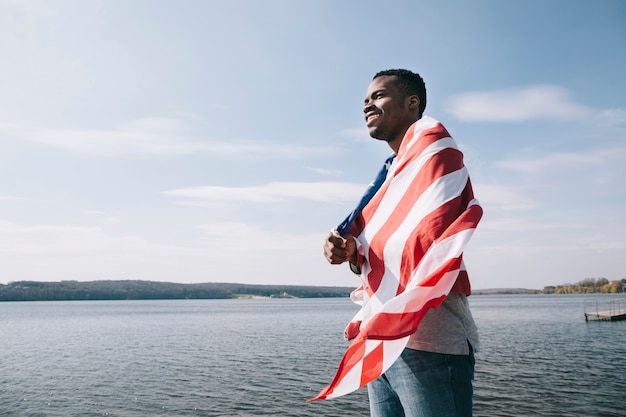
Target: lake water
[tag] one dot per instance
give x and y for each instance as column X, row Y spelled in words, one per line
column 266, row 357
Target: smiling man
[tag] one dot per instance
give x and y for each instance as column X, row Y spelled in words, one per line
column 392, row 106
column 414, row 337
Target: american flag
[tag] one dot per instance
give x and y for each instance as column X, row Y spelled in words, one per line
column 411, row 233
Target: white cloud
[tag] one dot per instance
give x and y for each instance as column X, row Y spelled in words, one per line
column 118, row 141
column 514, row 225
column 7, row 126
column 162, row 136
column 503, row 198
column 326, row 172
column 102, row 215
column 239, row 238
column 226, row 252
column 38, row 8
column 517, row 105
column 359, row 133
column 591, row 179
column 590, row 163
column 611, row 117
column 269, row 193
column 9, row 198
column 554, row 161
column 58, row 240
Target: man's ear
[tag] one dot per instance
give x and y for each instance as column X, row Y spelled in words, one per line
column 414, row 102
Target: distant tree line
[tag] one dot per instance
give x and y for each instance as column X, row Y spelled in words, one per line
column 589, row 286
column 152, row 290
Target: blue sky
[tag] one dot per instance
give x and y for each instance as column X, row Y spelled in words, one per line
column 204, row 141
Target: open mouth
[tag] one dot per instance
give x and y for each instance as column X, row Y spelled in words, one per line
column 372, row 116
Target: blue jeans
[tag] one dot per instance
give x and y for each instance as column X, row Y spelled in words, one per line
column 424, row 384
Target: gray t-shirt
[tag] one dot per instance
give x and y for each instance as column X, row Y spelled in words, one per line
column 447, row 329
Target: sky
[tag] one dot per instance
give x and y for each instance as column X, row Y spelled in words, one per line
column 220, row 141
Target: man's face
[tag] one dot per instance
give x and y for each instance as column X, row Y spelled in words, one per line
column 387, row 112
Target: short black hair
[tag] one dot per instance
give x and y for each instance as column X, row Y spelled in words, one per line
column 409, row 82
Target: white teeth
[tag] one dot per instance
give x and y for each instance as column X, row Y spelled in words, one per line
column 372, row 117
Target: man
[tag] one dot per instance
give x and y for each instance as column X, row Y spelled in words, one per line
column 390, row 239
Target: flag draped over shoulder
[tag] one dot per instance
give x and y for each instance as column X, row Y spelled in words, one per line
column 411, row 229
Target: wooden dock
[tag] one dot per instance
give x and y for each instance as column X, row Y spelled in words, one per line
column 615, row 311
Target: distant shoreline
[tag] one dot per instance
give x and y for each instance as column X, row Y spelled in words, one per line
column 156, row 290
column 505, row 291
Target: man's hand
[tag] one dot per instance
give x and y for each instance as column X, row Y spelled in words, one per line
column 338, row 249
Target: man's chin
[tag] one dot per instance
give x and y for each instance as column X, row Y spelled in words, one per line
column 378, row 136
column 375, row 133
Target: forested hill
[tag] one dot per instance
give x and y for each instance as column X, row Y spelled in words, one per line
column 152, row 290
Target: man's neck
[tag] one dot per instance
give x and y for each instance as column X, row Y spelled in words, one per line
column 395, row 143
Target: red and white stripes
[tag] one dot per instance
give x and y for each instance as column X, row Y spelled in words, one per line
column 410, row 237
